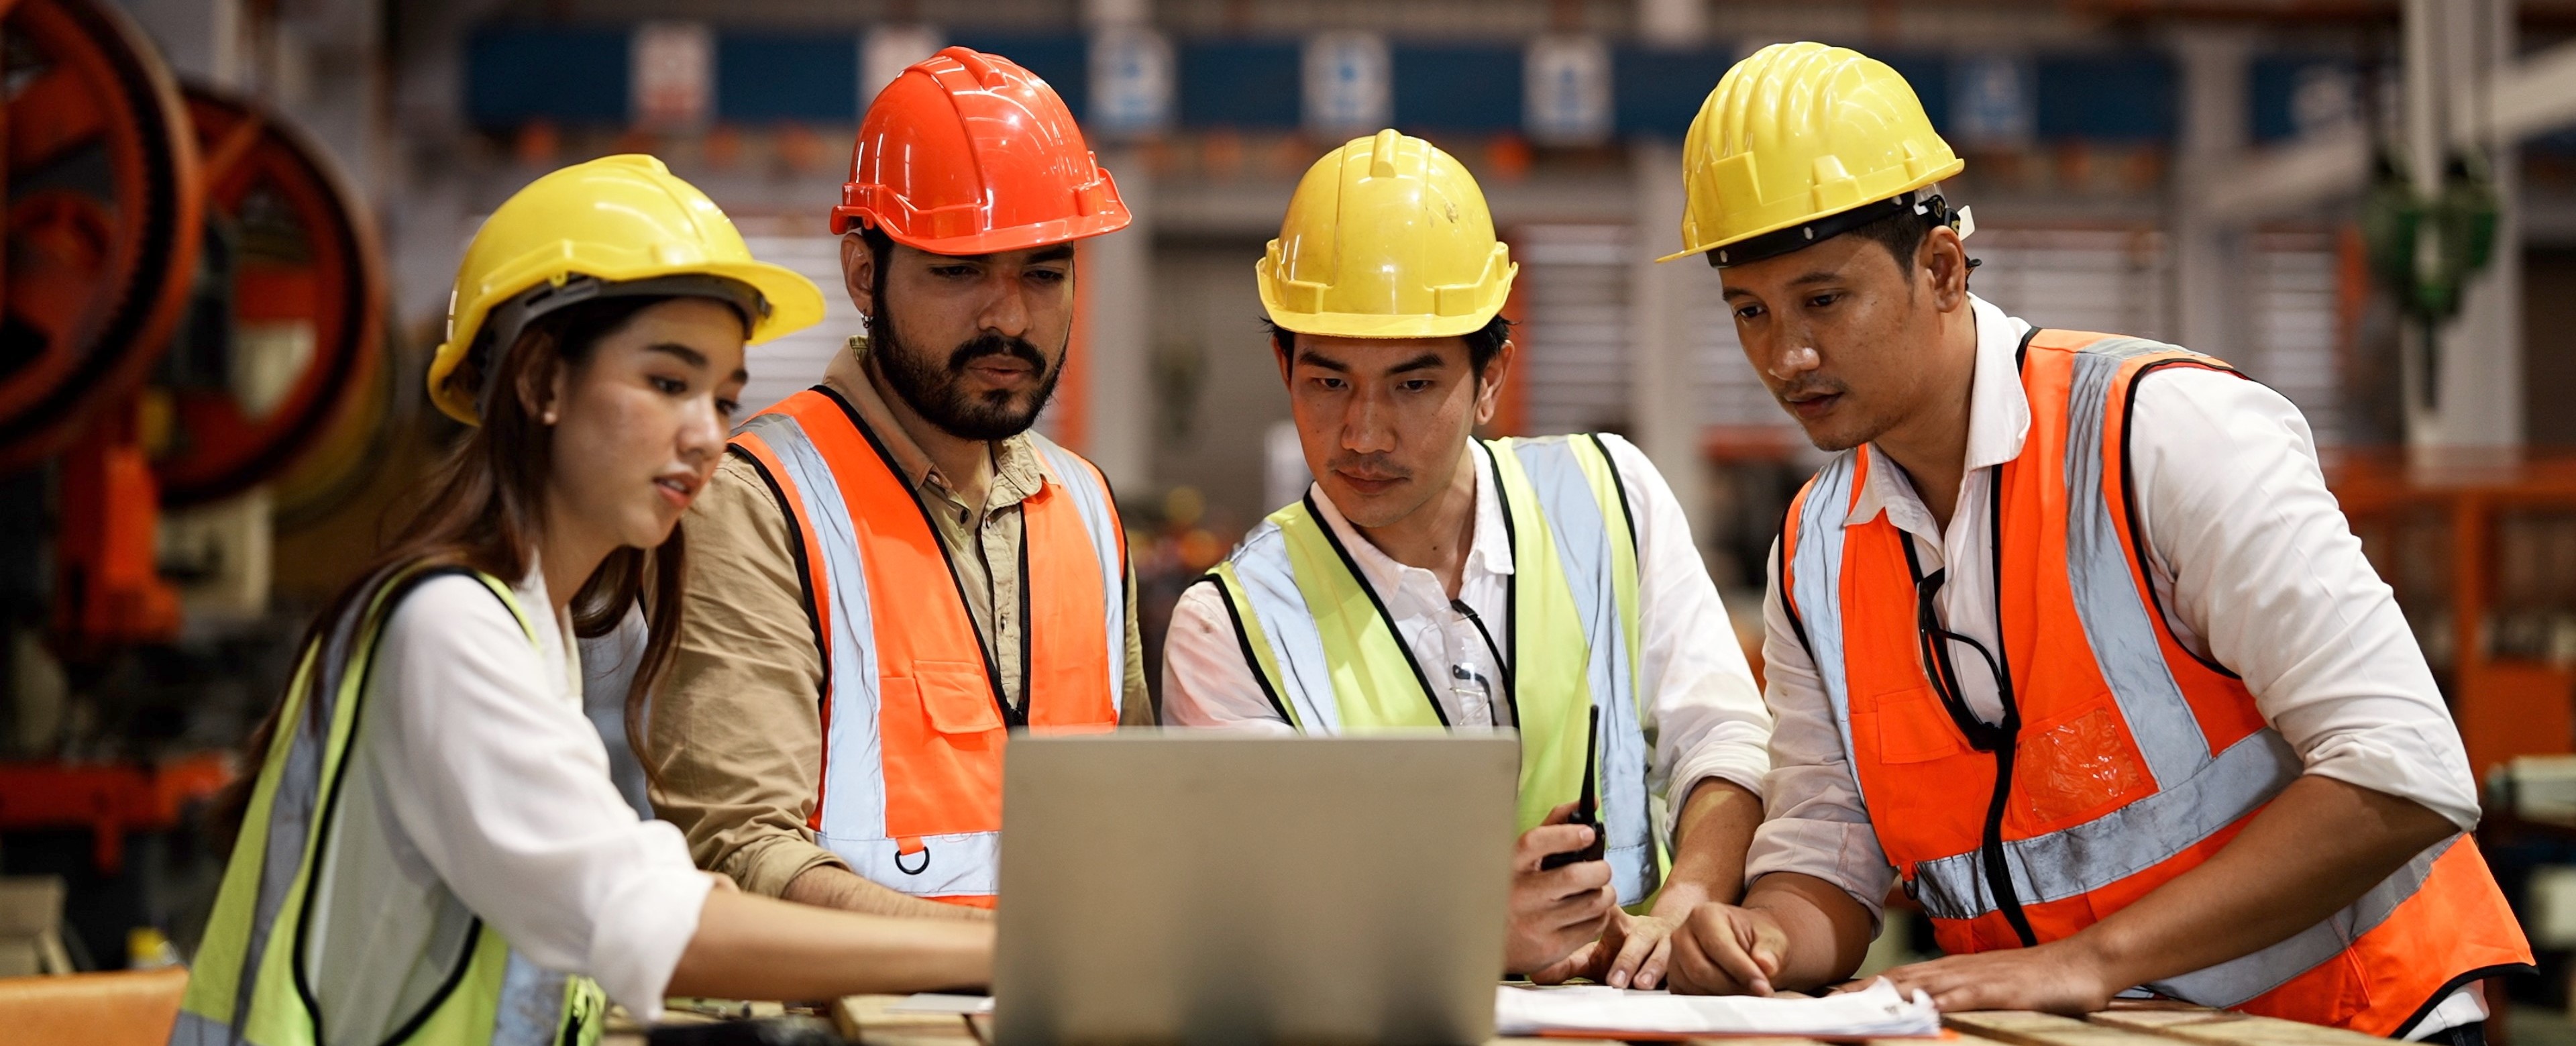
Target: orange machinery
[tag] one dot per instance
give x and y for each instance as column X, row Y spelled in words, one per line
column 191, row 305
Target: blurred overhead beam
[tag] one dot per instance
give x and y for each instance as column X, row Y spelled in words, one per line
column 2533, row 96
column 2291, row 177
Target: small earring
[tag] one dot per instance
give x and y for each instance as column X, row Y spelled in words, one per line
column 549, row 416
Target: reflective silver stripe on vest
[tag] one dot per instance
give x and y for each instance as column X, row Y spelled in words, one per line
column 1100, row 517
column 1583, row 536
column 1816, row 581
column 2114, row 612
column 2241, row 980
column 531, row 1009
column 1270, row 585
column 1269, row 581
column 296, row 804
column 2197, row 794
column 853, row 801
column 194, row 1029
column 2077, row 860
column 964, row 864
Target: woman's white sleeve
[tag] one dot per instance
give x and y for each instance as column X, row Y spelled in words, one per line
column 505, row 791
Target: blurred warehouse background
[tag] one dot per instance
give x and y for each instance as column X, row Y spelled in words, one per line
column 232, row 225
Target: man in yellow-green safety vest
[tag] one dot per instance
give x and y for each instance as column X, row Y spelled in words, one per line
column 1430, row 579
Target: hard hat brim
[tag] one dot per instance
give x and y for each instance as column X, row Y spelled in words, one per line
column 1938, row 174
column 1016, row 238
column 1371, row 325
column 795, row 303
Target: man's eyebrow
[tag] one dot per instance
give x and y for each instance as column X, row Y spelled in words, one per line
column 1058, row 252
column 1310, row 358
column 1815, row 277
column 1426, row 361
column 685, row 354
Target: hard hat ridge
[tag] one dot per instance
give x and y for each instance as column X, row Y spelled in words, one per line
column 1798, row 133
column 968, row 153
column 1386, row 237
column 615, row 226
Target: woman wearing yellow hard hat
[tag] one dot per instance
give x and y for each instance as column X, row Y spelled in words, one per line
column 433, row 850
column 2069, row 638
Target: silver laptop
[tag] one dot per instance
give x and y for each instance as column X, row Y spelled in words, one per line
column 1217, row 888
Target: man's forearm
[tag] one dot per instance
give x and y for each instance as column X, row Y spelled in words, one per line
column 1709, row 840
column 1828, row 932
column 2320, row 844
column 831, row 886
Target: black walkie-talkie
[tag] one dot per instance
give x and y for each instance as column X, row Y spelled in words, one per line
column 1584, row 805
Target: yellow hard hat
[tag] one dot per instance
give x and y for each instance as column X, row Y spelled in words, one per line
column 1387, row 237
column 619, row 225
column 1795, row 137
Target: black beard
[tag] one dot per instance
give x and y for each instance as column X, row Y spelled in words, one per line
column 932, row 390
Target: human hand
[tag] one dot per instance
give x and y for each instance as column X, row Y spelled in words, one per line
column 2057, row 977
column 1721, row 949
column 1631, row 953
column 1554, row 911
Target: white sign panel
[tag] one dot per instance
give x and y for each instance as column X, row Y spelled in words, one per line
column 1131, row 82
column 2325, row 98
column 673, row 86
column 1565, row 82
column 887, row 51
column 1350, row 83
column 1993, row 101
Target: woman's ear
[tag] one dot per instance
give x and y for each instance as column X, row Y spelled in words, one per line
column 541, row 389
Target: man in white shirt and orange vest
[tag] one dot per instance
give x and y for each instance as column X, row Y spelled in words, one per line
column 891, row 572
column 2070, row 639
column 1430, row 579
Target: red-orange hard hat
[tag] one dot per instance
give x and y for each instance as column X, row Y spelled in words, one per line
column 967, row 153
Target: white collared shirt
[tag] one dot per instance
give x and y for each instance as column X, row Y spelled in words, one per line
column 1705, row 715
column 475, row 770
column 2251, row 559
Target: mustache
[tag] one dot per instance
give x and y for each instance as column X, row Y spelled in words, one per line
column 1373, row 466
column 996, row 345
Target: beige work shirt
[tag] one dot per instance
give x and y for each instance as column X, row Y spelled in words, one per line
column 736, row 728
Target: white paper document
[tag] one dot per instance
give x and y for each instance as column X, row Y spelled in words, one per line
column 1873, row 1012
column 932, row 1002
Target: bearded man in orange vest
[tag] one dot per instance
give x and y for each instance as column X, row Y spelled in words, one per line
column 2069, row 639
column 891, row 571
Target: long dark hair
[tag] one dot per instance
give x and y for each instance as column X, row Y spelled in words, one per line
column 481, row 509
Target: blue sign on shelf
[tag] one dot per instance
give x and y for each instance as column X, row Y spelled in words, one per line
column 1131, row 82
column 1350, row 81
column 1566, row 80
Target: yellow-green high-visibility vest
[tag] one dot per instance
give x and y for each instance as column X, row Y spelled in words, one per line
column 1320, row 642
column 252, row 981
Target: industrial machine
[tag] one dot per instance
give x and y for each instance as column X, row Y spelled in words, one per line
column 194, row 309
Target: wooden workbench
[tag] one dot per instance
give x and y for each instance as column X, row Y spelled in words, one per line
column 863, row 1020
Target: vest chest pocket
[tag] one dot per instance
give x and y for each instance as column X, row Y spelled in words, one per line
column 1908, row 725
column 956, row 697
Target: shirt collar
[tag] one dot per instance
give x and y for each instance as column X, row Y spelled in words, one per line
column 1016, row 472
column 1489, row 547
column 1998, row 419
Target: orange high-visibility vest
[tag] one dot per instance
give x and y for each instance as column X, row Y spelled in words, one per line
column 2123, row 759
column 914, row 719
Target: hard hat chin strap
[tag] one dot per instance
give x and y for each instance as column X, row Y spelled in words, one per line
column 511, row 318
column 1926, row 202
